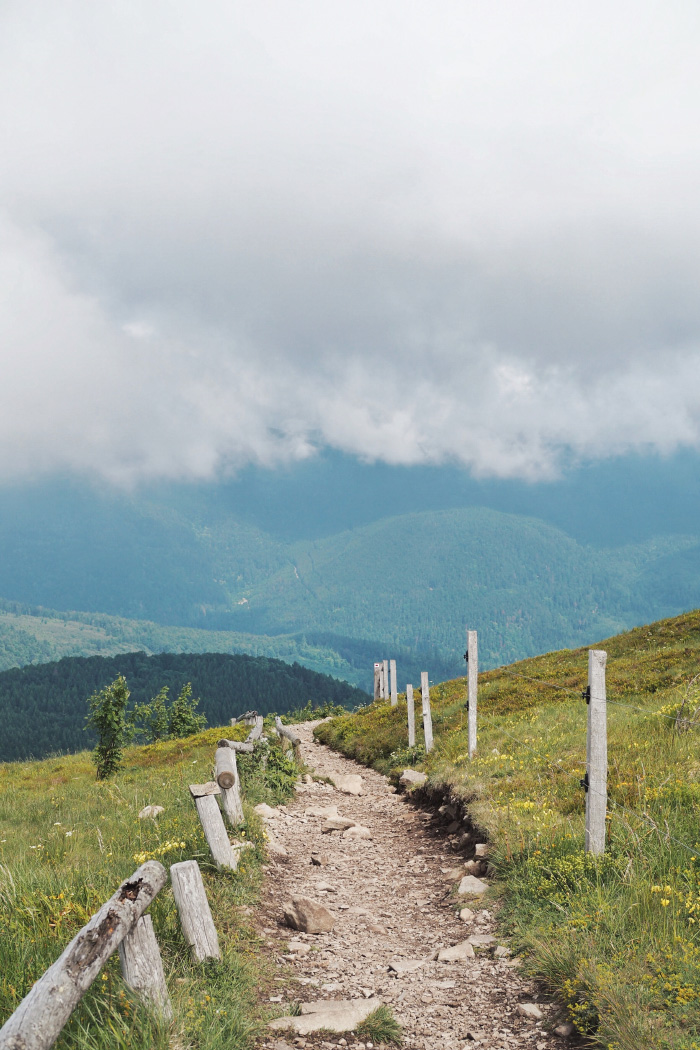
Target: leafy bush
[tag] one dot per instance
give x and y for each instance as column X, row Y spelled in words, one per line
column 107, row 717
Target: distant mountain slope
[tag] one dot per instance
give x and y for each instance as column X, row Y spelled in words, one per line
column 33, row 634
column 42, row 708
column 419, row 579
column 182, row 574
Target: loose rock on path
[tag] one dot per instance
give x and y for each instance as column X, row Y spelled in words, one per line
column 389, row 892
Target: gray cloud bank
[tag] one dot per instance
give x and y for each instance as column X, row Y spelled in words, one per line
column 233, row 232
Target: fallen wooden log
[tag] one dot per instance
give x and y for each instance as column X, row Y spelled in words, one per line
column 288, row 734
column 237, row 745
column 38, row 1020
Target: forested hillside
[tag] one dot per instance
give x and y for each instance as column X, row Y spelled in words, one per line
column 43, row 707
column 190, row 576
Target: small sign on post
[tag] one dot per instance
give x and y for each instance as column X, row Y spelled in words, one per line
column 377, row 681
column 596, row 782
column 394, row 690
column 472, row 656
column 411, row 716
column 427, row 717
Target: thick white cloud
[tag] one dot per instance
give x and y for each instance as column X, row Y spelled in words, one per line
column 420, row 232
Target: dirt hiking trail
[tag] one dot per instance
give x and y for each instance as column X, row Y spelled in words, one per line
column 391, row 903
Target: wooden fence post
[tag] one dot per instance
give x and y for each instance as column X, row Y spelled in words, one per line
column 385, row 679
column 257, row 730
column 427, row 717
column 377, row 681
column 226, row 772
column 45, row 1009
column 394, row 689
column 142, row 967
column 472, row 687
column 596, row 781
column 411, row 716
column 194, row 911
column 213, row 824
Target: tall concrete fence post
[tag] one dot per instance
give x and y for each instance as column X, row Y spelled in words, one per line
column 377, row 681
column 394, row 688
column 411, row 716
column 596, row 782
column 472, row 687
column 427, row 717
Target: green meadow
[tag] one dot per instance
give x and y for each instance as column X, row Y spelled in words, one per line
column 616, row 939
column 66, row 843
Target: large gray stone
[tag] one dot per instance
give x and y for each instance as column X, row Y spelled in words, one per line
column 482, row 940
column 301, row 913
column 348, row 783
column 470, row 886
column 457, row 953
column 411, row 778
column 405, row 965
column 151, row 811
column 357, row 831
column 332, row 1014
column 337, row 824
column 321, row 811
column 530, row 1010
column 263, row 810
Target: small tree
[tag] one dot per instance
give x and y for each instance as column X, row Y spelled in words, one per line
column 153, row 716
column 107, row 718
column 183, row 720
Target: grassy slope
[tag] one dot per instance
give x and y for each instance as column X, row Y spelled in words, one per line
column 618, row 939
column 67, row 841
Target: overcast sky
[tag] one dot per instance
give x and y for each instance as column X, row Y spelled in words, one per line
column 233, row 232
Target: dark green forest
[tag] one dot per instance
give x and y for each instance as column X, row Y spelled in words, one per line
column 43, row 707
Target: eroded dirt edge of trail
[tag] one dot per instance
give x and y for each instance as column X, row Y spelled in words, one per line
column 392, row 902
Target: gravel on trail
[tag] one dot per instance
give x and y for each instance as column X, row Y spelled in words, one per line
column 392, row 901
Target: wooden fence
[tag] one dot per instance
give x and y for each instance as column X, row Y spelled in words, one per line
column 596, row 778
column 120, row 924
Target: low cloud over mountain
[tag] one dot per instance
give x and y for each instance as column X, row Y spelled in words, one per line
column 233, row 234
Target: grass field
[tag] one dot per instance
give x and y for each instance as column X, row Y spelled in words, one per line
column 616, row 939
column 66, row 843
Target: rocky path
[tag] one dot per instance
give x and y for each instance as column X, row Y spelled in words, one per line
column 391, row 902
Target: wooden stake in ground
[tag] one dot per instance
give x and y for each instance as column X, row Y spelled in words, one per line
column 142, row 967
column 39, row 1018
column 194, row 911
column 394, row 690
column 411, row 716
column 472, row 686
column 596, row 753
column 377, row 681
column 427, row 717
column 227, row 778
column 385, row 680
column 213, row 824
column 257, row 730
